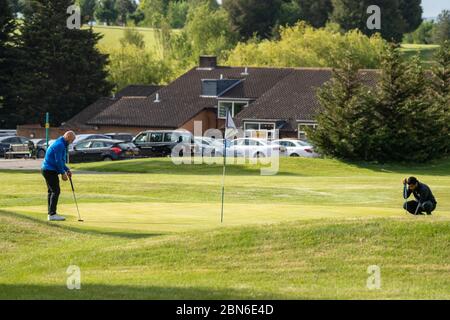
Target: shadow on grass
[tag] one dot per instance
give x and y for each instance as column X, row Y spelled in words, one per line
column 121, row 292
column 118, row 234
column 165, row 167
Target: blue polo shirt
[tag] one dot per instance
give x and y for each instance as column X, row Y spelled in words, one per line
column 56, row 157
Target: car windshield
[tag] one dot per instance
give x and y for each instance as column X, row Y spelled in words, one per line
column 302, row 143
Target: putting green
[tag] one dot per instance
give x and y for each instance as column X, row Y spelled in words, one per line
column 179, row 217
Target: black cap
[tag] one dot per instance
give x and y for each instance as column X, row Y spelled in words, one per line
column 412, row 180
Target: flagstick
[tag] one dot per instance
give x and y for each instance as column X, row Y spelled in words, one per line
column 223, row 176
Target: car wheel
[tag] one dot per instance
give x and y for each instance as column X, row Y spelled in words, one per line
column 41, row 154
column 294, row 155
column 107, row 159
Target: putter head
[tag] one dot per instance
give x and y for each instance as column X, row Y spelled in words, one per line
column 80, row 220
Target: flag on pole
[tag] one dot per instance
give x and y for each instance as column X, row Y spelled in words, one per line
column 230, row 131
column 230, row 126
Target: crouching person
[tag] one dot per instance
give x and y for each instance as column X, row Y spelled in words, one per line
column 425, row 201
column 54, row 165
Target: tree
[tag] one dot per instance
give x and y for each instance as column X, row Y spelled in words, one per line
column 87, row 10
column 396, row 120
column 154, row 11
column 344, row 127
column 423, row 34
column 442, row 28
column 397, row 16
column 177, row 14
column 132, row 37
column 7, row 63
column 253, row 16
column 304, row 46
column 132, row 65
column 137, row 16
column 16, row 6
column 315, row 12
column 407, row 127
column 411, row 11
column 61, row 70
column 209, row 31
column 124, row 8
column 440, row 91
column 106, row 11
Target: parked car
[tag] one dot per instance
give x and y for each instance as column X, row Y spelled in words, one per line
column 205, row 147
column 82, row 137
column 253, row 148
column 126, row 137
column 102, row 150
column 161, row 143
column 297, row 148
column 7, row 141
column 9, row 133
column 40, row 147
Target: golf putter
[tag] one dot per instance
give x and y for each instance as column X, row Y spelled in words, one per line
column 417, row 209
column 75, row 198
column 405, row 196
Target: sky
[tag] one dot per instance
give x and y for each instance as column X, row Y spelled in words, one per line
column 431, row 8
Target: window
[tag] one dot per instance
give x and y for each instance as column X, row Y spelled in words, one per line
column 97, row 144
column 260, row 130
column 259, row 126
column 287, row 144
column 239, row 142
column 234, row 107
column 177, row 137
column 83, row 145
column 156, row 137
column 302, row 134
column 142, row 138
column 251, row 126
column 238, row 107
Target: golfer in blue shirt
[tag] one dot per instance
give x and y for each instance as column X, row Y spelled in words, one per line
column 54, row 165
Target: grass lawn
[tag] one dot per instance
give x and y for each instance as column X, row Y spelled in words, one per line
column 425, row 51
column 113, row 34
column 152, row 231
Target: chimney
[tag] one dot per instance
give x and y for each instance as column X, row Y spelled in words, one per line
column 208, row 62
column 157, row 98
column 245, row 73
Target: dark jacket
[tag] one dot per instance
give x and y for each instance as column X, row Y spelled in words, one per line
column 55, row 157
column 422, row 193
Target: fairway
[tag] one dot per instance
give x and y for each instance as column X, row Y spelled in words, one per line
column 152, row 231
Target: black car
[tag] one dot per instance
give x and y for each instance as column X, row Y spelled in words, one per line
column 161, row 143
column 126, row 137
column 102, row 150
column 6, row 142
column 39, row 148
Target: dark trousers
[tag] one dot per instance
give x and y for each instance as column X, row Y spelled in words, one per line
column 52, row 180
column 427, row 207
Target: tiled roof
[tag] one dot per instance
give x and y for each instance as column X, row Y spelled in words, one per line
column 81, row 119
column 287, row 94
column 294, row 97
column 137, row 91
column 181, row 100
